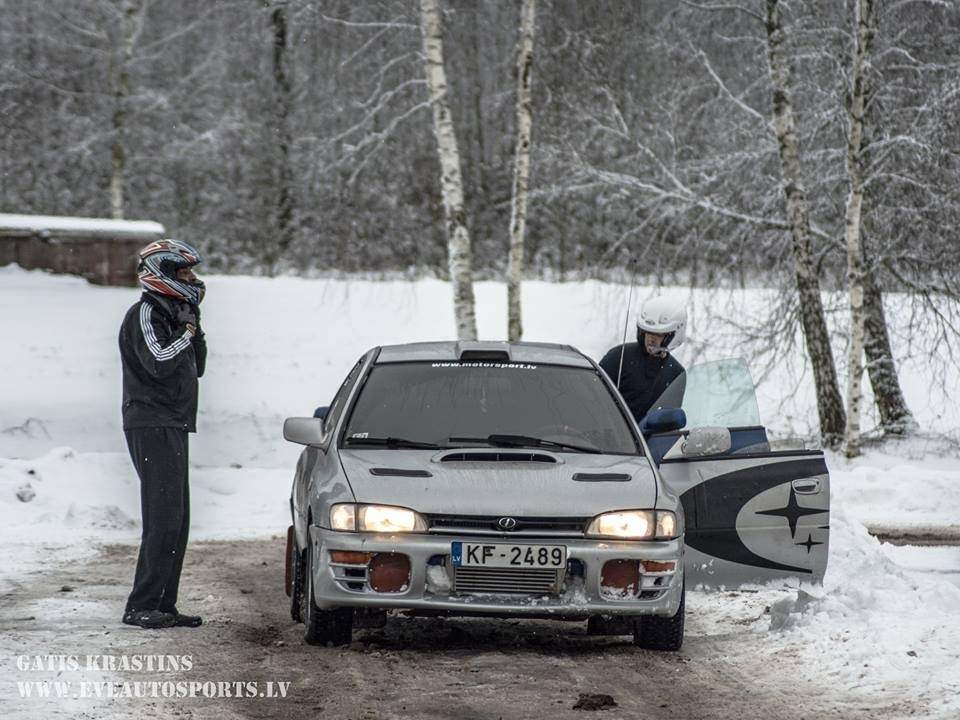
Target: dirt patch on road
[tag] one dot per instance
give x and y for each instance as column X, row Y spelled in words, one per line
column 436, row 668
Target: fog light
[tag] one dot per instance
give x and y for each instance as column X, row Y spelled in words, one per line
column 655, row 566
column 620, row 578
column 349, row 557
column 389, row 572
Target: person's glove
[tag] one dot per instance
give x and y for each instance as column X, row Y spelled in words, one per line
column 188, row 316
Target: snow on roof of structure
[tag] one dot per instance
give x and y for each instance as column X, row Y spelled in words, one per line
column 47, row 225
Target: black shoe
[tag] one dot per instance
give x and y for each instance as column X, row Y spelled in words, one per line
column 185, row 620
column 150, row 619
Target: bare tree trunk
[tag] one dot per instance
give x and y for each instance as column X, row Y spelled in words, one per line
column 829, row 402
column 130, row 19
column 521, row 170
column 451, row 180
column 284, row 107
column 895, row 416
column 856, row 102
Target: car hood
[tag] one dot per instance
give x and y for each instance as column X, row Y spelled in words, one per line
column 500, row 488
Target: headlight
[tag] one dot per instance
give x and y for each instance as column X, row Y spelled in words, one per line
column 634, row 525
column 375, row 518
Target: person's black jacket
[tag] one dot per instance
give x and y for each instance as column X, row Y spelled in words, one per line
column 645, row 377
column 161, row 364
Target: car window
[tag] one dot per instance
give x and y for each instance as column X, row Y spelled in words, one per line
column 340, row 399
column 719, row 393
column 430, row 402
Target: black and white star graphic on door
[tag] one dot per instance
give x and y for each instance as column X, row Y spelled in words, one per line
column 792, row 512
column 809, row 544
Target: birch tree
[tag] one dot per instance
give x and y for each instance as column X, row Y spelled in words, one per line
column 829, row 403
column 856, row 102
column 283, row 100
column 451, row 180
column 521, row 170
column 130, row 26
column 895, row 415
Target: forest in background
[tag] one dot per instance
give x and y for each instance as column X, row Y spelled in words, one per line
column 651, row 136
column 806, row 145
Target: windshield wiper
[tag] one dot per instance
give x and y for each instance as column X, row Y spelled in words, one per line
column 392, row 442
column 524, row 441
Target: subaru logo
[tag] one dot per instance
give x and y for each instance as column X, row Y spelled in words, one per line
column 507, row 523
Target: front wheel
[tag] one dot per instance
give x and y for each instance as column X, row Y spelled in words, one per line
column 655, row 632
column 323, row 627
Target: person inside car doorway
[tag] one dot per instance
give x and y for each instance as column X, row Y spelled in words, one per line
column 648, row 368
column 163, row 352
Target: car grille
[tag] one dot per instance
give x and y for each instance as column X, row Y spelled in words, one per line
column 525, row 581
column 488, row 525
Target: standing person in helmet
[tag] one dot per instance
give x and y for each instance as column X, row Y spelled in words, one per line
column 648, row 367
column 163, row 352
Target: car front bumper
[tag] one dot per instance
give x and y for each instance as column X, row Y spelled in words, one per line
column 579, row 593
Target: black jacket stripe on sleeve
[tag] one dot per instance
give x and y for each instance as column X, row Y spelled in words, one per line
column 161, row 363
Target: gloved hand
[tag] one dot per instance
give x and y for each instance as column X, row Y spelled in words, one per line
column 188, row 316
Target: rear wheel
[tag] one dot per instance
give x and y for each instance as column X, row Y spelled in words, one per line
column 655, row 632
column 323, row 627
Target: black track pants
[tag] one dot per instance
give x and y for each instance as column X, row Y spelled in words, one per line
column 161, row 459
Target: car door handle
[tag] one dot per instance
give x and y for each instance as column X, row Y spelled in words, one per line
column 806, row 486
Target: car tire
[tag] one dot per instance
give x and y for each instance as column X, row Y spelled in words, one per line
column 322, row 627
column 296, row 583
column 655, row 632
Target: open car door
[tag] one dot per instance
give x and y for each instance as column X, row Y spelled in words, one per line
column 753, row 513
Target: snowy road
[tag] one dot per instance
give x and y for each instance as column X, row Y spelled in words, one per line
column 461, row 668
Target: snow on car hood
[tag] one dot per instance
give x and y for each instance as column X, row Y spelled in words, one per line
column 500, row 488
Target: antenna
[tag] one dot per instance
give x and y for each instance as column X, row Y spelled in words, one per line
column 626, row 318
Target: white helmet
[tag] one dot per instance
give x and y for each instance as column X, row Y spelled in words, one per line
column 663, row 316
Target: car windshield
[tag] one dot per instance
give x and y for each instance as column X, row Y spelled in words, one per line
column 452, row 404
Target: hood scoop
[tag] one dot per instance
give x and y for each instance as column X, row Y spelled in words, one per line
column 497, row 456
column 398, row 472
column 601, row 477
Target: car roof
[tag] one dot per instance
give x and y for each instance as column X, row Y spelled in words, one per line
column 474, row 351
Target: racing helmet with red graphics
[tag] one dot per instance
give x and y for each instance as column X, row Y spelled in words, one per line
column 663, row 316
column 157, row 270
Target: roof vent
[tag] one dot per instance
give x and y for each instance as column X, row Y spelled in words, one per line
column 483, row 351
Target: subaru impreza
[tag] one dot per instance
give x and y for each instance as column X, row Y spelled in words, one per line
column 508, row 480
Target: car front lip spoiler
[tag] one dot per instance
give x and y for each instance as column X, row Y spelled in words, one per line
column 420, row 548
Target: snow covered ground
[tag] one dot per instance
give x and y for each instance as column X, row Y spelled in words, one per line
column 884, row 621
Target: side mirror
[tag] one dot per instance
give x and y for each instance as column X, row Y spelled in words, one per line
column 321, row 412
column 703, row 441
column 303, row 431
column 665, row 420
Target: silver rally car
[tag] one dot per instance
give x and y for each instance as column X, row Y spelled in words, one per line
column 509, row 479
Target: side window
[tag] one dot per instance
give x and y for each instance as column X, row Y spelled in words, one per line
column 718, row 393
column 340, row 399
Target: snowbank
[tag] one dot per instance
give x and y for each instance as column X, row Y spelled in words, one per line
column 911, row 485
column 876, row 632
column 897, row 631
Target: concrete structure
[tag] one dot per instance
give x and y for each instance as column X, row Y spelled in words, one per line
column 100, row 250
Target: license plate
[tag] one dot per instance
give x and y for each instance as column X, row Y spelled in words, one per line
column 504, row 555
